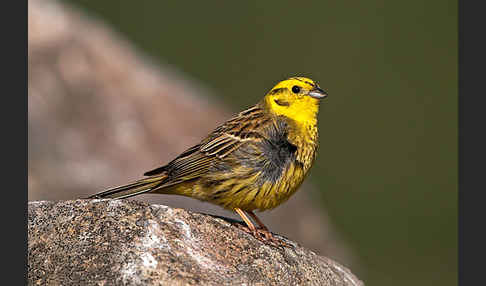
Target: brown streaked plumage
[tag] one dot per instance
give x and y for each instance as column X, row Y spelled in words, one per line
column 254, row 161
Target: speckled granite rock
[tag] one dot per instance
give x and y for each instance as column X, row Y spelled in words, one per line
column 118, row 242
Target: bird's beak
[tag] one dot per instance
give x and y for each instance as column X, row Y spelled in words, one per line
column 317, row 92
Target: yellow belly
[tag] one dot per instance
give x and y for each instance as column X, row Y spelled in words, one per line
column 270, row 194
column 247, row 194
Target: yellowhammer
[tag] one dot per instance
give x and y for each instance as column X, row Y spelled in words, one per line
column 254, row 161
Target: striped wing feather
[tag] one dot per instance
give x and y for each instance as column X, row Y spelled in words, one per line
column 224, row 140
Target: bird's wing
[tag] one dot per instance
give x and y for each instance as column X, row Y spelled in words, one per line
column 246, row 127
column 215, row 148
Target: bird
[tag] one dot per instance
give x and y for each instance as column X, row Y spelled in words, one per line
column 254, row 161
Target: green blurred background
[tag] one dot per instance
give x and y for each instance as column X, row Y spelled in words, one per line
column 387, row 169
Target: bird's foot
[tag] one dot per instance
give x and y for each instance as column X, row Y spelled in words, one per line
column 267, row 237
column 264, row 235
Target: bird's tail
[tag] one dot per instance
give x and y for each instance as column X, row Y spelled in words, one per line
column 136, row 188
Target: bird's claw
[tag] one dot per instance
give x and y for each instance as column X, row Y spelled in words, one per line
column 264, row 235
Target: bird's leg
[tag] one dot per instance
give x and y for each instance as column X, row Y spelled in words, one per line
column 257, row 233
column 264, row 230
column 260, row 223
column 248, row 222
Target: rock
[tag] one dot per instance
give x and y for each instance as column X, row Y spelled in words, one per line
column 126, row 242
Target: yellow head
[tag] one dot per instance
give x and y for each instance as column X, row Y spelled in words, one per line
column 296, row 98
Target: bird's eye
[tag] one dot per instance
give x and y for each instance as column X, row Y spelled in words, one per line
column 295, row 89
